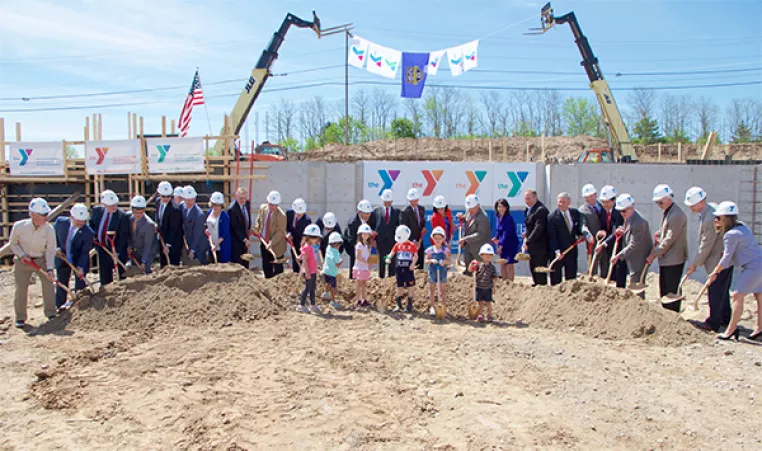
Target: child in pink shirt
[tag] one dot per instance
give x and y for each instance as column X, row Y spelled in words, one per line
column 309, row 265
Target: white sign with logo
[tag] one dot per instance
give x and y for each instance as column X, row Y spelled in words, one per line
column 173, row 155
column 37, row 158
column 112, row 157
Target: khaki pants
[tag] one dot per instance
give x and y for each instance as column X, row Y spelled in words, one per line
column 21, row 275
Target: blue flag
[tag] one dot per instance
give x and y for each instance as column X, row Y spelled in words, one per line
column 414, row 74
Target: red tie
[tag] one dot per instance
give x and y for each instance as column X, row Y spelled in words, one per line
column 104, row 232
column 387, row 215
column 608, row 220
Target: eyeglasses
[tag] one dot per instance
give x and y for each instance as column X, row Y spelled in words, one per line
column 165, row 197
column 660, row 202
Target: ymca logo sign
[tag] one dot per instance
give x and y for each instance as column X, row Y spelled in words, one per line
column 388, row 177
column 102, row 152
column 475, row 178
column 25, row 154
column 517, row 179
column 432, row 178
column 163, row 150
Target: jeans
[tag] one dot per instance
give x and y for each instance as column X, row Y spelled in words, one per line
column 309, row 288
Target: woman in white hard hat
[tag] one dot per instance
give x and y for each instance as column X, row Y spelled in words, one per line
column 741, row 250
column 442, row 217
column 218, row 225
column 74, row 241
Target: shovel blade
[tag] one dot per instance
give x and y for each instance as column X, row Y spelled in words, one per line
column 671, row 297
column 132, row 271
column 543, row 269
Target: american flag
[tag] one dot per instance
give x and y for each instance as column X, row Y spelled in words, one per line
column 195, row 97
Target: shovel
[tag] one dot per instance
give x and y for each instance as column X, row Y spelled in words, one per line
column 296, row 256
column 212, row 247
column 672, row 297
column 695, row 305
column 187, row 261
column 460, row 260
column 543, row 269
column 44, row 274
column 276, row 260
column 617, row 236
column 591, row 262
column 110, row 254
column 163, row 245
column 82, row 277
column 135, row 268
column 640, row 287
column 522, row 257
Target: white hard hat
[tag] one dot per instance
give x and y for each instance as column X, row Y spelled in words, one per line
column 179, row 192
column 438, row 230
column 329, row 220
column 273, row 197
column 402, row 233
column 79, row 212
column 726, row 208
column 217, row 198
column 412, row 194
column 471, row 201
column 624, row 201
column 387, row 195
column 164, row 189
column 608, row 192
column 662, row 191
column 364, row 228
column 299, row 206
column 109, row 198
column 39, row 206
column 365, row 206
column 335, row 238
column 588, row 190
column 487, row 249
column 138, row 202
column 439, row 202
column 694, row 196
column 189, row 192
column 312, row 230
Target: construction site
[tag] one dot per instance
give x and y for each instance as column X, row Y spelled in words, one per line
column 215, row 357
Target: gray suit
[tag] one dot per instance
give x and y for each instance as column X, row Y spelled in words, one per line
column 477, row 233
column 673, row 239
column 637, row 244
column 710, row 242
column 143, row 241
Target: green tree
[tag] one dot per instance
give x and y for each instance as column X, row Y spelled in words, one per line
column 291, row 144
column 71, row 152
column 403, row 128
column 580, row 116
column 524, row 128
column 646, row 131
column 333, row 133
column 678, row 135
column 742, row 133
column 311, row 144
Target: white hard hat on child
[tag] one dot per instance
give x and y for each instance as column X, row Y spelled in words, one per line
column 329, row 220
column 387, row 195
column 694, row 196
column 588, row 190
column 438, row 230
column 624, row 201
column 412, row 194
column 662, row 191
column 138, row 202
column 402, row 233
column 217, row 198
column 335, row 238
column 608, row 192
column 487, row 250
column 109, row 198
column 364, row 206
column 364, row 228
column 471, row 201
column 39, row 206
column 273, row 197
column 164, row 189
column 726, row 208
column 79, row 212
column 189, row 192
column 312, row 230
column 179, row 192
column 439, row 202
column 299, row 206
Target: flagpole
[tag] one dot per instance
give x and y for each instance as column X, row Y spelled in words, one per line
column 208, row 121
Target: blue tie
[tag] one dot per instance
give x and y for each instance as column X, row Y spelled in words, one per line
column 69, row 239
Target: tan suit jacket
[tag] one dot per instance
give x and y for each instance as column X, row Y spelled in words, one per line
column 673, row 239
column 277, row 229
column 710, row 242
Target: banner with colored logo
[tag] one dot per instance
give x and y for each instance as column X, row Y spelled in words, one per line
column 383, row 60
column 112, row 157
column 435, row 58
column 358, row 52
column 414, row 74
column 37, row 158
column 173, row 155
column 470, row 55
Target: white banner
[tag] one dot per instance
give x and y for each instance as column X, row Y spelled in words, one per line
column 435, row 59
column 112, row 157
column 383, row 60
column 173, row 155
column 358, row 53
column 455, row 56
column 454, row 181
column 37, row 158
column 470, row 55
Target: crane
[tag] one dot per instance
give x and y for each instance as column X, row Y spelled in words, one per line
column 620, row 136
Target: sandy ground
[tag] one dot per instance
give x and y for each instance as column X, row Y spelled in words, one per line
column 358, row 379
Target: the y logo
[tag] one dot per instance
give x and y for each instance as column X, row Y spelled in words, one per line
column 163, row 150
column 517, row 180
column 388, row 177
column 25, row 154
column 432, row 178
column 475, row 178
column 102, row 152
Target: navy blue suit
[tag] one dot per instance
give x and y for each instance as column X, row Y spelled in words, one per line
column 81, row 244
column 171, row 228
column 296, row 231
column 560, row 238
column 120, row 224
column 194, row 224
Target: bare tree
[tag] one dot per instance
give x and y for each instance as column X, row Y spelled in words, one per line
column 313, row 116
column 415, row 111
column 473, row 116
column 384, row 106
column 642, row 102
column 550, row 105
column 360, row 106
column 675, row 115
column 746, row 111
column 433, row 111
column 707, row 116
column 493, row 106
column 283, row 126
column 452, row 111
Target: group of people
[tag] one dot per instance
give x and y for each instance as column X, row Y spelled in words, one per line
column 618, row 239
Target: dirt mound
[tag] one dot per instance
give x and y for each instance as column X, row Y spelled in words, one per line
column 213, row 295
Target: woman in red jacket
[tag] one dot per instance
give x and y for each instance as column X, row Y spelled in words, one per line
column 442, row 217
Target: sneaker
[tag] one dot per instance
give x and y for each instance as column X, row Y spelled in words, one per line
column 20, row 324
column 66, row 306
column 359, row 303
column 490, row 318
column 316, row 309
column 399, row 305
column 325, row 295
column 432, row 312
column 302, row 309
column 51, row 317
column 480, row 318
column 409, row 308
column 335, row 305
column 365, row 303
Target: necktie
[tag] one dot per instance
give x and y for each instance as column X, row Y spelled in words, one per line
column 245, row 216
column 267, row 226
column 161, row 212
column 568, row 223
column 387, row 215
column 104, row 228
column 418, row 217
column 608, row 221
column 69, row 237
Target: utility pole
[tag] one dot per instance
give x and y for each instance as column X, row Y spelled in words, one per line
column 346, row 87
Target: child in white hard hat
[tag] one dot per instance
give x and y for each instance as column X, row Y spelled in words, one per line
column 485, row 276
column 361, row 269
column 407, row 255
column 438, row 258
column 331, row 265
column 308, row 265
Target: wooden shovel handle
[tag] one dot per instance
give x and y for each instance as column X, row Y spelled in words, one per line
column 616, row 248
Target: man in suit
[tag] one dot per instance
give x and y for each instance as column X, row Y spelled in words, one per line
column 414, row 217
column 296, row 221
column 477, row 233
column 328, row 225
column 387, row 219
column 194, row 225
column 672, row 249
column 710, row 249
column 611, row 219
column 564, row 227
column 271, row 226
column 536, row 236
column 364, row 216
column 108, row 217
column 169, row 224
column 591, row 212
column 74, row 240
column 240, row 224
column 143, row 240
column 636, row 242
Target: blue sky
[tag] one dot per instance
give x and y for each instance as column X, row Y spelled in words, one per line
column 76, row 47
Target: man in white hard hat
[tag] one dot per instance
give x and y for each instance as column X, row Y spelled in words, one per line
column 414, row 217
column 564, row 228
column 635, row 243
column 194, row 225
column 271, row 226
column 74, row 241
column 33, row 242
column 536, row 236
column 710, row 249
column 143, row 240
column 672, row 249
column 477, row 231
column 108, row 217
column 611, row 219
column 297, row 220
column 591, row 212
column 364, row 216
column 178, row 197
column 239, row 212
column 169, row 223
column 387, row 220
